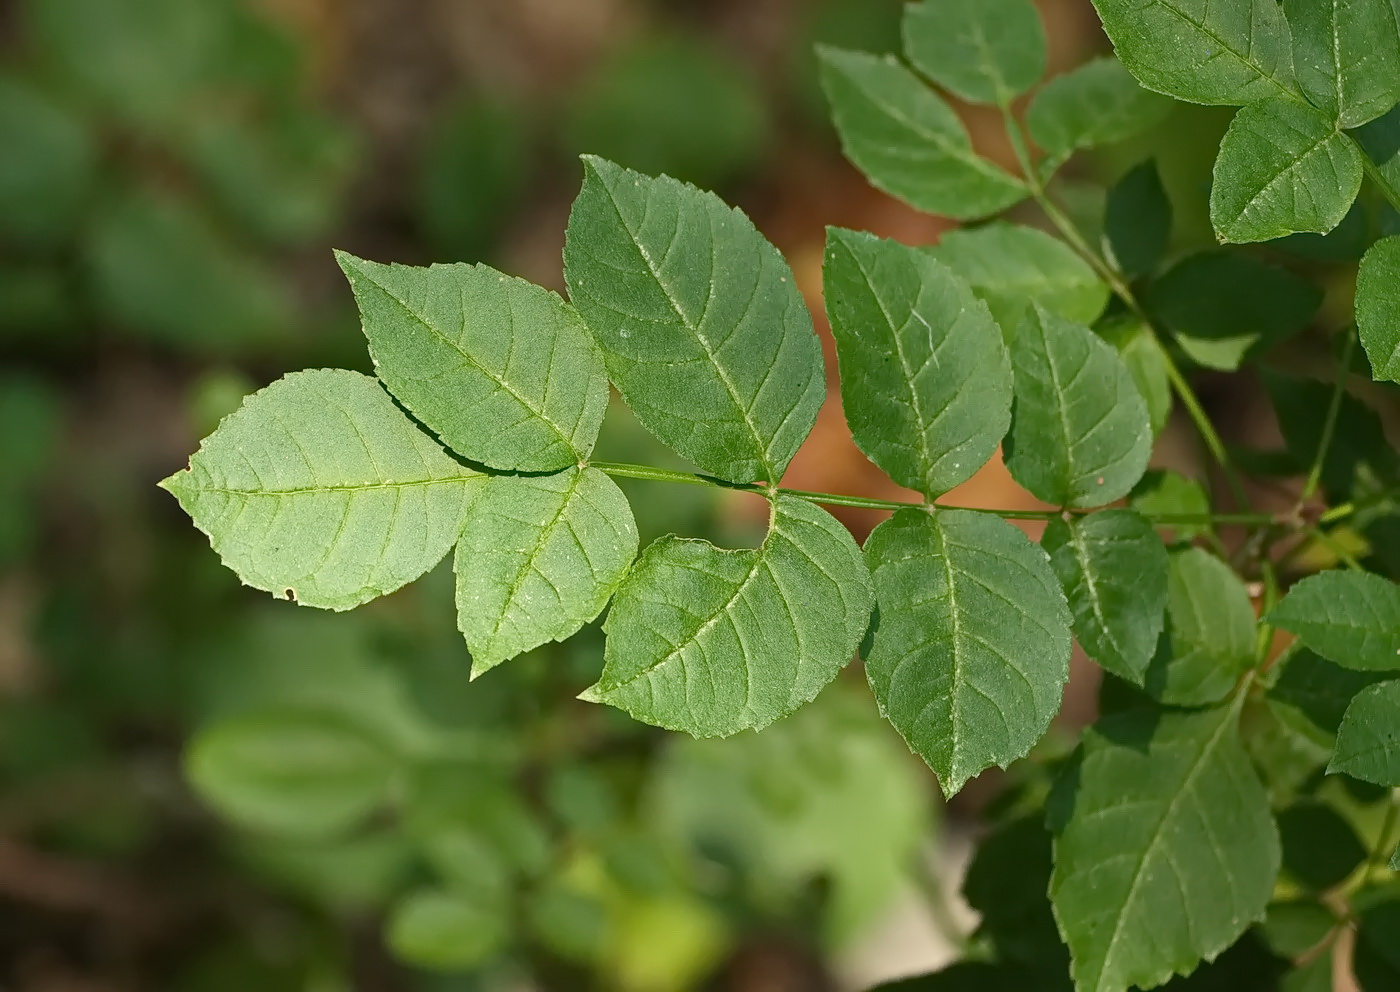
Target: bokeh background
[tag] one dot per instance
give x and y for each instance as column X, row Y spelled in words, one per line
column 173, row 176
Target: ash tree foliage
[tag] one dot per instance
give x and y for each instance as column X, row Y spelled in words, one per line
column 1231, row 814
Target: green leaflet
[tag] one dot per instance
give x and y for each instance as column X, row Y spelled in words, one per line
column 1346, row 54
column 1359, row 454
column 539, row 558
column 297, row 772
column 1283, row 167
column 500, row 369
column 986, row 52
column 699, row 319
column 1164, row 491
column 446, row 930
column 1378, row 308
column 1137, row 220
column 712, row 641
column 1315, row 976
column 925, row 377
column 1165, row 848
column 1209, row 641
column 1351, row 618
column 1136, row 344
column 1079, row 431
column 1098, row 103
column 1203, row 52
column 907, row 141
column 1223, row 306
column 1114, row 572
column 1368, row 741
column 319, row 489
column 971, row 646
column 1010, row 266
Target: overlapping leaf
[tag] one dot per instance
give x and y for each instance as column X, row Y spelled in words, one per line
column 539, row 557
column 1138, row 220
column 699, row 319
column 712, row 641
column 1165, row 847
column 1378, row 307
column 1138, row 347
column 907, row 141
column 318, row 488
column 1099, row 103
column 971, row 650
column 1346, row 54
column 1283, row 167
column 985, row 52
column 1368, row 741
column 501, row 369
column 1114, row 572
column 1351, row 618
column 925, row 377
column 1203, row 52
column 1079, row 431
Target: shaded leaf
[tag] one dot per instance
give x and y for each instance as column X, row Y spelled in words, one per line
column 986, row 52
column 713, row 642
column 971, row 650
column 1098, row 103
column 49, row 168
column 1006, row 884
column 1138, row 220
column 1320, row 848
column 925, row 378
column 1358, row 452
column 1137, row 345
column 1351, row 618
column 1380, row 140
column 1346, row 54
column 699, row 319
column 1209, row 641
column 1378, row 308
column 1376, row 957
column 1368, row 741
column 1293, row 928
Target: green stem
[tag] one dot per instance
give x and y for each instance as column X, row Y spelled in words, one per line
column 1329, row 425
column 1385, row 843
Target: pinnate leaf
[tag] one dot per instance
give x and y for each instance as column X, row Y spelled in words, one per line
column 1351, row 618
column 1099, row 103
column 318, row 488
column 1165, row 847
column 1203, row 52
column 713, row 641
column 539, row 558
column 1347, row 56
column 925, row 377
column 971, row 649
column 1209, row 641
column 500, row 369
column 1283, row 167
column 1114, row 572
column 908, row 141
column 1378, row 308
column 1009, row 266
column 1080, row 435
column 699, row 319
column 985, row 52
column 1368, row 741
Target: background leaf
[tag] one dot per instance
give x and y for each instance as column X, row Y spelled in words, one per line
column 1097, row 103
column 1209, row 641
column 1137, row 345
column 1137, row 220
column 1351, row 618
column 319, row 489
column 445, row 931
column 925, row 378
column 713, row 642
column 1165, row 849
column 500, row 369
column 539, row 557
column 907, row 141
column 986, row 52
column 1347, row 56
column 1079, row 430
column 1203, row 52
column 1368, row 741
column 697, row 316
column 50, row 168
column 1378, row 307
column 1282, row 168
column 1359, row 453
column 1114, row 572
column 971, row 648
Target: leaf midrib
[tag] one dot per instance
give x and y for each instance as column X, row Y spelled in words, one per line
column 1208, row 32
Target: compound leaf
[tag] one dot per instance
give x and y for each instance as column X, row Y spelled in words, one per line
column 1378, row 308
column 1203, row 52
column 700, row 322
column 539, row 558
column 1009, row 266
column 1368, row 741
column 1080, row 435
column 1351, row 618
column 1113, row 568
column 1209, row 641
column 318, row 488
column 1346, row 54
column 712, row 641
column 971, row 650
column 1099, row 103
column 1165, row 848
column 907, row 141
column 985, row 52
column 925, row 377
column 1283, row 167
column 502, row 370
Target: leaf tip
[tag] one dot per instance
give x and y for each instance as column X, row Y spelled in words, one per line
column 591, row 695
